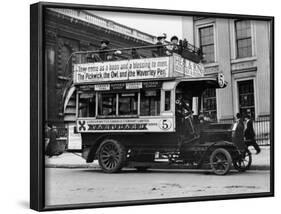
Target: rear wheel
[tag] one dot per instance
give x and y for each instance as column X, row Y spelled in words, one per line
column 220, row 161
column 112, row 156
column 244, row 161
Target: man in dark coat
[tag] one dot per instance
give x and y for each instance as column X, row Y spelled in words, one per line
column 53, row 147
column 250, row 134
column 135, row 54
column 238, row 133
column 161, row 49
column 103, row 51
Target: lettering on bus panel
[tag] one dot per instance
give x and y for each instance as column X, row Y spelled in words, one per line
column 127, row 125
column 122, row 86
column 134, row 69
column 185, row 67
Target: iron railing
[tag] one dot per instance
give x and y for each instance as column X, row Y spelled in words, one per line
column 261, row 127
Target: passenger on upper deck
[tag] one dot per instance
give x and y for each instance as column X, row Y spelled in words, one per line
column 161, row 49
column 174, row 47
column 135, row 54
column 103, row 51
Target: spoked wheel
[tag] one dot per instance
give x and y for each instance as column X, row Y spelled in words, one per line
column 220, row 161
column 244, row 161
column 112, row 156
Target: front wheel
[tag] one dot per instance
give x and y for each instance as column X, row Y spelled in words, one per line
column 243, row 162
column 112, row 156
column 220, row 161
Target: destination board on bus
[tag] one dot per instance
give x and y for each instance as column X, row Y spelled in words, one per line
column 163, row 124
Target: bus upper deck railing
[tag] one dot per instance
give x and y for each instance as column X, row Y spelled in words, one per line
column 174, row 60
column 186, row 50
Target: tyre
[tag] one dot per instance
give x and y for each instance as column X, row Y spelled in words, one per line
column 220, row 161
column 111, row 156
column 243, row 162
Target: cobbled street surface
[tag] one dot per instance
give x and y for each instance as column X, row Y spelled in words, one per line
column 74, row 186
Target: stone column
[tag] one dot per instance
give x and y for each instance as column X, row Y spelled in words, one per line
column 263, row 68
column 50, row 76
column 224, row 96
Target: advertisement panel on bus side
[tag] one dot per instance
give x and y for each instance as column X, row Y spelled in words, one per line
column 134, row 69
column 137, row 69
column 163, row 124
column 185, row 67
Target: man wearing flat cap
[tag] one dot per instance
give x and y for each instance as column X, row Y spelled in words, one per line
column 103, row 51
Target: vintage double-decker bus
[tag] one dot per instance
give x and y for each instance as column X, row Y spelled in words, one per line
column 148, row 111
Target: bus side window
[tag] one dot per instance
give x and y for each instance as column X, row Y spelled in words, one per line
column 87, row 105
column 107, row 104
column 167, row 101
column 128, row 103
column 150, row 103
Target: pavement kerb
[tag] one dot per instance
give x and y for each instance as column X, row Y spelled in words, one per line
column 72, row 166
column 96, row 166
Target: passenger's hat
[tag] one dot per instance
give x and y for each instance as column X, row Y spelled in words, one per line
column 238, row 115
column 162, row 37
column 105, row 41
column 174, row 37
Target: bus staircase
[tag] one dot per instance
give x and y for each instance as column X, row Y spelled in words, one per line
column 69, row 103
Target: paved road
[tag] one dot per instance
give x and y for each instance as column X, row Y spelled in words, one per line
column 70, row 186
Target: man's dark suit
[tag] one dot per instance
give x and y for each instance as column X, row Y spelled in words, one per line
column 250, row 136
column 103, row 53
column 238, row 135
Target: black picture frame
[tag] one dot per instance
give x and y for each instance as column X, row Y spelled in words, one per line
column 37, row 107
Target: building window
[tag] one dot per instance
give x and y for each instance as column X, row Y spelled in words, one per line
column 210, row 104
column 243, row 38
column 246, row 98
column 206, row 38
column 150, row 103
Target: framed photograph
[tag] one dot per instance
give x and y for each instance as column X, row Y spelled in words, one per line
column 135, row 106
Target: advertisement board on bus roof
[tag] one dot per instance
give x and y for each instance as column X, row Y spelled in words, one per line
column 137, row 69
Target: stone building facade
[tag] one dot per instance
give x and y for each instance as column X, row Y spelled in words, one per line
column 68, row 31
column 241, row 50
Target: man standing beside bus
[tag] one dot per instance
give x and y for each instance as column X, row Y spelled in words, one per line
column 53, row 147
column 250, row 134
column 238, row 133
